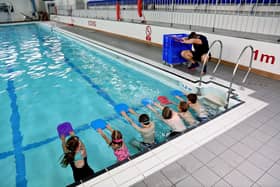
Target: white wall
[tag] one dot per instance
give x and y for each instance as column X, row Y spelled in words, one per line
column 235, row 22
column 231, row 50
column 66, row 3
column 23, row 6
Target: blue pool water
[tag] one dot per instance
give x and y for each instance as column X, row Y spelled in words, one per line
column 46, row 79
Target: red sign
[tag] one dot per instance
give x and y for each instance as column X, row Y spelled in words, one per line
column 148, row 33
column 263, row 57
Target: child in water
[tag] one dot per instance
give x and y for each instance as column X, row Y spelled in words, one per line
column 117, row 143
column 147, row 131
column 171, row 118
column 75, row 154
column 197, row 107
column 185, row 114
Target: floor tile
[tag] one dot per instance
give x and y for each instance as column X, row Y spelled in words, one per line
column 269, row 152
column 237, row 179
column 174, row 172
column 231, row 157
column 253, row 122
column 242, row 150
column 259, row 135
column 206, row 176
column 220, row 167
column 268, row 181
column 250, row 170
column 222, row 183
column 215, row 147
column 239, row 132
column 157, row 180
column 226, row 140
column 256, row 185
column 260, row 161
column 278, row 135
column 265, row 115
column 139, row 184
column 234, row 133
column 251, row 142
column 190, row 163
column 268, row 130
column 275, row 171
column 189, row 181
column 274, row 143
column 203, row 155
column 273, row 123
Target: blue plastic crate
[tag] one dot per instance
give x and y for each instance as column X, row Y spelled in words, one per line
column 169, row 43
column 171, row 53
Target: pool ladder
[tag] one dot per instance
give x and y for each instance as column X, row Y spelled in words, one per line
column 233, row 73
column 235, row 69
column 205, row 61
column 53, row 26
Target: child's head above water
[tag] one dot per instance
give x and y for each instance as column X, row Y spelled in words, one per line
column 183, row 106
column 144, row 118
column 166, row 113
column 72, row 143
column 192, row 98
column 116, row 138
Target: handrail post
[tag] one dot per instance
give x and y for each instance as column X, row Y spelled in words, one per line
column 206, row 59
column 235, row 69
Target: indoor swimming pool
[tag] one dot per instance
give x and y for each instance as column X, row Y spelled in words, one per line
column 47, row 78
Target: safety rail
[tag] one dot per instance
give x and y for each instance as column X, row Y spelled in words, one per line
column 224, row 15
column 108, row 2
column 206, row 59
column 235, row 69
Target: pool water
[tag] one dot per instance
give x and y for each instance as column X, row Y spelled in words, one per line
column 47, row 79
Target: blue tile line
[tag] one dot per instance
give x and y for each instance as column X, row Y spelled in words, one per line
column 100, row 92
column 6, row 154
column 17, row 137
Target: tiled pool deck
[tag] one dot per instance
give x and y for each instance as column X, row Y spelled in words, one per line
column 248, row 154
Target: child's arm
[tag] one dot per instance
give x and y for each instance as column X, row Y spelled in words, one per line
column 109, row 128
column 129, row 120
column 62, row 138
column 158, row 105
column 104, row 136
column 152, row 109
column 63, row 143
column 83, row 149
column 72, row 133
column 179, row 98
column 132, row 111
column 178, row 39
column 124, row 114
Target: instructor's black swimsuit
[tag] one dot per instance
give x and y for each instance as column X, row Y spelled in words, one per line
column 200, row 49
column 81, row 173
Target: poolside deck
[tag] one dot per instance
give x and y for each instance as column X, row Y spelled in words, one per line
column 246, row 155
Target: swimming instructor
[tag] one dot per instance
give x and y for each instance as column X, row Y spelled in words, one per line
column 201, row 48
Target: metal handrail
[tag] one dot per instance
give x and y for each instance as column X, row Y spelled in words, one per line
column 235, row 69
column 205, row 61
column 53, row 26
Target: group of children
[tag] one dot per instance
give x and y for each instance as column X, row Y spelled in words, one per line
column 175, row 120
column 75, row 152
